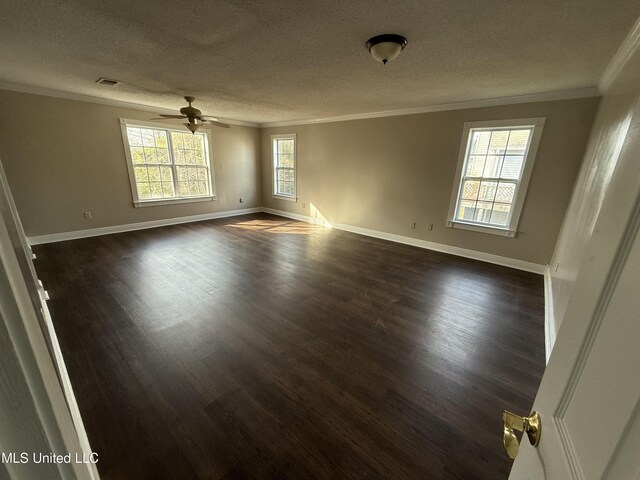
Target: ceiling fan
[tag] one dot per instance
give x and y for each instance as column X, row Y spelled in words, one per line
column 194, row 117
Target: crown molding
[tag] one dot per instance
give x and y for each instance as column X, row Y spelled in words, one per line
column 622, row 56
column 48, row 92
column 489, row 102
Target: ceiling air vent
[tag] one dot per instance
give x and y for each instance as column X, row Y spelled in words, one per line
column 107, row 81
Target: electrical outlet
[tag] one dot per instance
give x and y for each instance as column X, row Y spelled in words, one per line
column 412, row 225
column 241, row 200
column 303, row 205
column 430, row 227
column 87, row 215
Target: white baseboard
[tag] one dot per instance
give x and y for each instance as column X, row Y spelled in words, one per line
column 94, row 232
column 438, row 247
column 297, row 216
column 549, row 320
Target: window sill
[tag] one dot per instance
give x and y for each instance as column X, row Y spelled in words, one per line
column 503, row 232
column 173, row 201
column 282, row 197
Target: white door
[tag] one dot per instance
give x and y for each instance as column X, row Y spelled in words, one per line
column 589, row 397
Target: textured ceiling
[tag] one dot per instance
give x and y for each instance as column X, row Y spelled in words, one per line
column 266, row 61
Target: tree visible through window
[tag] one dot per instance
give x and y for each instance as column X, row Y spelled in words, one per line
column 284, row 165
column 168, row 164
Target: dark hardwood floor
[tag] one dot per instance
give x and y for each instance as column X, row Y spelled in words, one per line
column 258, row 347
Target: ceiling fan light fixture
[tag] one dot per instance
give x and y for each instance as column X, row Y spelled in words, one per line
column 193, row 127
column 386, row 47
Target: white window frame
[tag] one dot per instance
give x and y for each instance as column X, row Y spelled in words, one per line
column 510, row 230
column 274, row 189
column 138, row 202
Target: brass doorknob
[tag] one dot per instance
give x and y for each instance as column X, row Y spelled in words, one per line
column 530, row 425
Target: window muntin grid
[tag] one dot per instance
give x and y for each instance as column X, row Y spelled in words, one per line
column 284, row 164
column 492, row 171
column 169, row 164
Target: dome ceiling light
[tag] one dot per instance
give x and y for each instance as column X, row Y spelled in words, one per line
column 386, row 47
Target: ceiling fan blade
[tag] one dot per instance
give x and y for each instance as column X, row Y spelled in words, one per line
column 171, row 116
column 208, row 118
column 219, row 124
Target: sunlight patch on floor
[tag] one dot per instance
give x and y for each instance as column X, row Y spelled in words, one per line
column 279, row 226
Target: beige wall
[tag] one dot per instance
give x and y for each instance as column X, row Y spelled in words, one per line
column 63, row 157
column 610, row 172
column 384, row 173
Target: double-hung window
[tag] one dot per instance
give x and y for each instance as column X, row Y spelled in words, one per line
column 494, row 167
column 284, row 166
column 167, row 164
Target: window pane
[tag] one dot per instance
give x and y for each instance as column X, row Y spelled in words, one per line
column 518, row 141
column 176, row 140
column 154, row 173
column 492, row 166
column 466, row 210
column 202, row 188
column 183, row 189
column 475, row 166
column 470, row 189
column 144, row 191
column 483, row 212
column 512, row 167
column 505, row 192
column 480, row 142
column 137, row 154
column 156, row 189
column 286, row 188
column 141, row 174
column 285, row 146
column 189, row 157
column 285, row 160
column 199, row 157
column 487, row 191
column 500, row 214
column 166, row 174
column 201, row 174
column 160, row 137
column 148, row 139
column 167, row 190
column 162, row 156
column 150, row 155
column 135, row 139
column 498, row 144
column 182, row 173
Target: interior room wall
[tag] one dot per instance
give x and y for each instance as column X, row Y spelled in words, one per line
column 611, row 167
column 64, row 157
column 384, row 173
